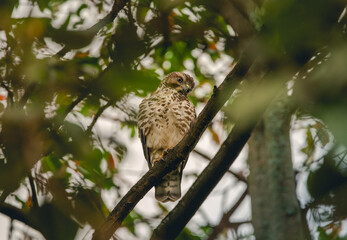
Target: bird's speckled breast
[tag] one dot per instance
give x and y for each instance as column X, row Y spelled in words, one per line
column 165, row 117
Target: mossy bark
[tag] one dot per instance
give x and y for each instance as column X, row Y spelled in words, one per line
column 275, row 209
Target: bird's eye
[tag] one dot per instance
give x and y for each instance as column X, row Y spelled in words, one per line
column 180, row 80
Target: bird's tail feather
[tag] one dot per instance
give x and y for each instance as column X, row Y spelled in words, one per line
column 169, row 189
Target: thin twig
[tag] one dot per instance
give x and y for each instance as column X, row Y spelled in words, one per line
column 239, row 176
column 224, row 222
column 98, row 114
column 93, row 30
column 236, row 225
column 15, row 213
column 30, row 89
column 33, row 191
column 9, row 93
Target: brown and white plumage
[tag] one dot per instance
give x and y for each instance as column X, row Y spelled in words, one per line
column 164, row 118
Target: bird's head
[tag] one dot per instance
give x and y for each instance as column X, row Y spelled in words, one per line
column 181, row 82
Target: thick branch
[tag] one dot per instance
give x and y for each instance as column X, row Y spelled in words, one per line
column 271, row 178
column 177, row 154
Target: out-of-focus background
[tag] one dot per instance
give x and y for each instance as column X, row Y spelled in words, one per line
column 73, row 72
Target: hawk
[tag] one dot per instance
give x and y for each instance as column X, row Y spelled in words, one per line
column 164, row 118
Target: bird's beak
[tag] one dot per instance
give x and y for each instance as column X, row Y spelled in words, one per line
column 186, row 88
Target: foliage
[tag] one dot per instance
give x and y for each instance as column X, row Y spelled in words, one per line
column 66, row 66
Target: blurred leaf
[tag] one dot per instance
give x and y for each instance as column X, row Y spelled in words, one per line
column 42, row 4
column 110, row 162
column 141, row 14
column 90, row 165
column 89, row 207
column 2, row 107
column 115, row 82
column 82, row 54
column 322, row 133
column 207, row 229
column 131, row 220
column 162, row 207
column 133, row 131
column 330, row 234
column 186, row 234
column 120, row 151
column 289, row 26
column 53, row 223
column 215, row 136
column 81, row 8
column 327, row 177
column 310, row 147
column 90, row 106
column 51, row 163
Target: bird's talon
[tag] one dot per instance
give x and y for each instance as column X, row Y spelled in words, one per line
column 155, row 161
column 166, row 151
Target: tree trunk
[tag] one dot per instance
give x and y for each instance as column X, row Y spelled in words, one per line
column 275, row 209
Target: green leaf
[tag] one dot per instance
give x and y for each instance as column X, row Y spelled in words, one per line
column 310, row 147
column 207, row 229
column 53, row 223
column 90, row 106
column 133, row 131
column 51, row 163
column 186, row 234
column 129, row 222
column 79, row 10
column 322, row 133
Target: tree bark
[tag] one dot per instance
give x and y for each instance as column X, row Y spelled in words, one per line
column 275, row 209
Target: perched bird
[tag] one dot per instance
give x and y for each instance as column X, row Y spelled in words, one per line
column 164, row 118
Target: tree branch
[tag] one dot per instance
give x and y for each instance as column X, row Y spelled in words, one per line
column 177, row 154
column 33, row 191
column 14, row 213
column 224, row 222
column 9, row 93
column 239, row 176
column 93, row 30
column 235, row 225
column 98, row 114
column 30, row 89
column 233, row 16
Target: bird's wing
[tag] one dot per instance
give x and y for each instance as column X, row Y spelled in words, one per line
column 146, row 150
